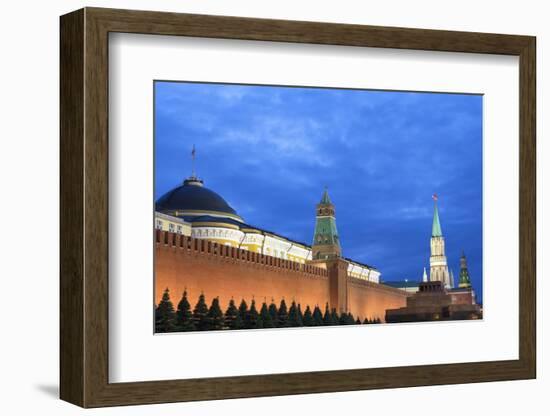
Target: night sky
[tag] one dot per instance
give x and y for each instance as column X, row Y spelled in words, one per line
column 270, row 151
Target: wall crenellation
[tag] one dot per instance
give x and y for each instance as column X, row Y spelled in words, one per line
column 202, row 247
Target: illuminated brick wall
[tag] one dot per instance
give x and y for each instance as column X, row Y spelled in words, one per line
column 227, row 272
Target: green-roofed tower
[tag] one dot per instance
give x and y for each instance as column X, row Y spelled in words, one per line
column 464, row 278
column 326, row 243
column 439, row 270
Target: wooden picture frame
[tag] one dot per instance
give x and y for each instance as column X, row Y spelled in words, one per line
column 84, row 207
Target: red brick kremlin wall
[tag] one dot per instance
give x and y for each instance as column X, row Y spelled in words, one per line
column 372, row 299
column 225, row 272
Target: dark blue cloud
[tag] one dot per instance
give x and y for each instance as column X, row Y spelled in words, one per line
column 269, row 151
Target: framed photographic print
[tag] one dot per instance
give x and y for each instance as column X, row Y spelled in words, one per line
column 255, row 207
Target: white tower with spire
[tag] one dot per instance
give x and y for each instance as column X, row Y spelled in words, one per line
column 439, row 270
column 424, row 276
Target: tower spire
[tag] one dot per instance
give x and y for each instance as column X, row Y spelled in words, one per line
column 436, row 226
column 325, row 199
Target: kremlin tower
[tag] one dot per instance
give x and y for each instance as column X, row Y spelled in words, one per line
column 327, row 253
column 464, row 278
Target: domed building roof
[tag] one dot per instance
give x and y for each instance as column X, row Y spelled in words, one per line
column 192, row 198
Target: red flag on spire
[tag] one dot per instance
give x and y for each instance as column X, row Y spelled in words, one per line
column 193, row 152
column 434, row 197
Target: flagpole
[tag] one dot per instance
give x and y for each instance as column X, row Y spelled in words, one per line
column 193, row 162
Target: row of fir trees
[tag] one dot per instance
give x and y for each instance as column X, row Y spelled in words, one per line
column 204, row 318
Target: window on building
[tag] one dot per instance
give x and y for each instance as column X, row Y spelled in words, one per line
column 180, row 229
column 159, row 225
column 171, row 228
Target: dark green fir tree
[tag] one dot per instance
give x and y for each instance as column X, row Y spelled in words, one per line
column 294, row 319
column 344, row 319
column 358, row 321
column 308, row 317
column 327, row 318
column 266, row 316
column 184, row 316
column 317, row 316
column 274, row 313
column 231, row 315
column 165, row 317
column 215, row 315
column 335, row 317
column 300, row 314
column 243, row 310
column 282, row 315
column 366, row 321
column 253, row 320
column 200, row 314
